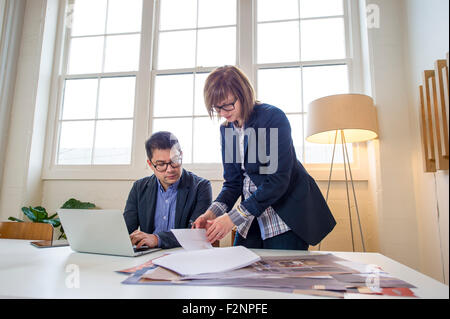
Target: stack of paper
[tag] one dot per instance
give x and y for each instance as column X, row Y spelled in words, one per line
column 202, row 258
column 204, row 261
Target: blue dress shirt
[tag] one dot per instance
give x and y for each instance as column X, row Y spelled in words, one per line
column 166, row 203
column 194, row 195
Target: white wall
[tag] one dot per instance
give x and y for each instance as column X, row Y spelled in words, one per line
column 391, row 181
column 11, row 21
column 426, row 40
column 411, row 36
column 21, row 183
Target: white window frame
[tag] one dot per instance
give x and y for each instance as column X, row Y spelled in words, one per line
column 136, row 168
column 211, row 171
column 246, row 60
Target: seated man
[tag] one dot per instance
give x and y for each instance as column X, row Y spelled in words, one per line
column 171, row 198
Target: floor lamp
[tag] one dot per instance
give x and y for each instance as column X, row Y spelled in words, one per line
column 341, row 119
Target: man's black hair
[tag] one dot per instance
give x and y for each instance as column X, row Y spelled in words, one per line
column 161, row 141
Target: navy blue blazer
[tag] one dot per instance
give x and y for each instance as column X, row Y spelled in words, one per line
column 193, row 199
column 285, row 185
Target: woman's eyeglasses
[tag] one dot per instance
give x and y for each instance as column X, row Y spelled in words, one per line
column 226, row 107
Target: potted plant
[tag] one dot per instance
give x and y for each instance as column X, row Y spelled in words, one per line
column 39, row 214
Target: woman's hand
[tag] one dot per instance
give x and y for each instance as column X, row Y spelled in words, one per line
column 201, row 221
column 218, row 228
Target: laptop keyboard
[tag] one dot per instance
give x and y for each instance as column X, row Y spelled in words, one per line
column 143, row 248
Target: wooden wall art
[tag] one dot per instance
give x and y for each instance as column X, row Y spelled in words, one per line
column 434, row 116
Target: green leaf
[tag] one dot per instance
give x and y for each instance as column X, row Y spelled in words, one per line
column 14, row 219
column 27, row 211
column 63, row 235
column 39, row 212
column 54, row 223
column 57, row 222
column 53, row 216
column 76, row 204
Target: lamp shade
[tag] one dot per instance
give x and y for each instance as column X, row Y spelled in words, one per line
column 355, row 114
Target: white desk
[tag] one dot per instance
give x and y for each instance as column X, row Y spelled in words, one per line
column 29, row 272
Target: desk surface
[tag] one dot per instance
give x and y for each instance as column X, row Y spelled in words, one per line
column 29, row 272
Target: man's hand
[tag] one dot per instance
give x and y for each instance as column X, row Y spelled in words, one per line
column 201, row 221
column 218, row 228
column 140, row 239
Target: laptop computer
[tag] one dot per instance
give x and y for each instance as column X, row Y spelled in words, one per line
column 99, row 232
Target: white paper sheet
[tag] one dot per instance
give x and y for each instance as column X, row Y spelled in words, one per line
column 192, row 239
column 204, row 261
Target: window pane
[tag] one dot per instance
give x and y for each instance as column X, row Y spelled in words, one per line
column 86, row 55
column 216, row 47
column 116, row 98
column 207, row 141
column 122, row 53
column 176, row 50
column 80, row 99
column 173, row 95
column 200, row 108
column 322, row 81
column 278, row 42
column 124, row 16
column 323, row 39
column 113, row 142
column 322, row 8
column 182, row 129
column 270, row 10
column 75, row 143
column 280, row 87
column 216, row 12
column 297, row 135
column 88, row 17
column 178, row 14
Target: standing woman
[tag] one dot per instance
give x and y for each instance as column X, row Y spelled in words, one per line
column 281, row 206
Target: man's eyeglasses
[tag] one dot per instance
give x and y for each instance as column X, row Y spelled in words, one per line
column 162, row 166
column 226, row 107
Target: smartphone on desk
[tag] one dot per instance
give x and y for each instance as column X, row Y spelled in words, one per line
column 50, row 243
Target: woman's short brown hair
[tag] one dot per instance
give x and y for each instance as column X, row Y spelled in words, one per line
column 227, row 80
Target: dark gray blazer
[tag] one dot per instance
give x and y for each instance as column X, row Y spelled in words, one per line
column 193, row 199
column 291, row 191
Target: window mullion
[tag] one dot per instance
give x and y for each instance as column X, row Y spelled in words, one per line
column 142, row 124
column 100, row 75
column 95, row 122
column 104, row 34
column 98, row 86
column 104, row 38
column 154, row 64
column 245, row 38
column 193, row 85
column 200, row 69
column 67, row 43
column 199, row 28
column 302, row 100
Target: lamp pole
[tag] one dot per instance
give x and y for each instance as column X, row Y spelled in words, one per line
column 344, row 147
column 346, row 163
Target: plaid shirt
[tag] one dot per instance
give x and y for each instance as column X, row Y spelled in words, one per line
column 270, row 224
